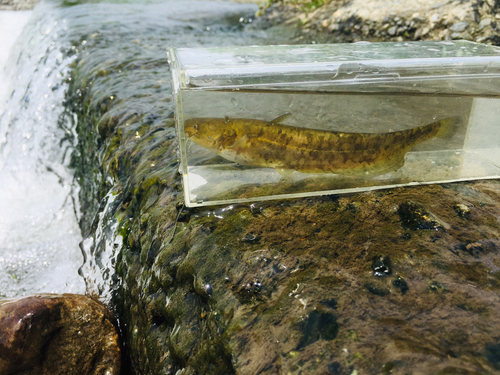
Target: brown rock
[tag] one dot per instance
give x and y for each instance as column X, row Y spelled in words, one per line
column 57, row 334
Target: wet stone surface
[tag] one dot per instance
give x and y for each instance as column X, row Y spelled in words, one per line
column 52, row 334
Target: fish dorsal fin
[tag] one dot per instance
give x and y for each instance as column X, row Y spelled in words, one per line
column 279, row 119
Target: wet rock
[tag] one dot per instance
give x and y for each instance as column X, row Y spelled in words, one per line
column 388, row 367
column 381, row 266
column 401, row 285
column 319, row 325
column 57, row 334
column 462, row 210
column 414, row 216
column 437, row 287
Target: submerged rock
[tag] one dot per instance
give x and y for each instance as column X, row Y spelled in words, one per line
column 415, row 216
column 50, row 334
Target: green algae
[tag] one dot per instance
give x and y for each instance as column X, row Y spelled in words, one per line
column 249, row 284
column 282, row 286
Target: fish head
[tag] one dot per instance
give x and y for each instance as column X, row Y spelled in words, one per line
column 206, row 131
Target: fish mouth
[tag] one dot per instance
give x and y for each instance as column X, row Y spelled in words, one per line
column 190, row 132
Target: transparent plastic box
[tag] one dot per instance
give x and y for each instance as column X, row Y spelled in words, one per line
column 273, row 122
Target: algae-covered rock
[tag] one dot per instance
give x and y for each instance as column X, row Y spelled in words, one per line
column 51, row 334
column 389, row 281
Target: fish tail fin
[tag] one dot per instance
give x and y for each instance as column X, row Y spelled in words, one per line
column 447, row 128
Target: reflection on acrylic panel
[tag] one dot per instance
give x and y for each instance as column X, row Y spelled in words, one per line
column 274, row 131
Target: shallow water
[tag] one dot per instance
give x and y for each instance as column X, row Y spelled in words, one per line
column 40, row 209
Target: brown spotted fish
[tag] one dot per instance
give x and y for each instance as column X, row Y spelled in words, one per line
column 286, row 148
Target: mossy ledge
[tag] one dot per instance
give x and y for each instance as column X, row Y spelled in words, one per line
column 373, row 282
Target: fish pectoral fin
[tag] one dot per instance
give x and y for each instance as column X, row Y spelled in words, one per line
column 225, row 141
column 239, row 143
column 389, row 166
column 284, row 172
column 279, row 119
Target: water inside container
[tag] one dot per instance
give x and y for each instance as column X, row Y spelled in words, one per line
column 235, row 167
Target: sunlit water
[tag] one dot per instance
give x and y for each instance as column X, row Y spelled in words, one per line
column 39, row 207
column 39, row 233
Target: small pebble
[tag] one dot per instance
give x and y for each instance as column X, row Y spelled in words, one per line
column 459, row 27
column 462, row 210
column 381, row 266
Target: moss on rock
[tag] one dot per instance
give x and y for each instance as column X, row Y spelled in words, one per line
column 281, row 286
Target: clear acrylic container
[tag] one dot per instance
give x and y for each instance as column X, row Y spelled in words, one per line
column 269, row 122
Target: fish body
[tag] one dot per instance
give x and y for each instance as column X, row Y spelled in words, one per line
column 287, row 148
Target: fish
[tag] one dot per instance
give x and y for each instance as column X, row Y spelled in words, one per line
column 272, row 144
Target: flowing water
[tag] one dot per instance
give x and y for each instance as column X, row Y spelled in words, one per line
column 399, row 281
column 39, row 231
column 39, row 208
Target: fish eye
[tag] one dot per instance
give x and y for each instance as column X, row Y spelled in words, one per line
column 196, row 126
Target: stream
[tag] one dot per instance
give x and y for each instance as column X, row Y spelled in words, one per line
column 40, row 210
column 39, row 232
column 398, row 281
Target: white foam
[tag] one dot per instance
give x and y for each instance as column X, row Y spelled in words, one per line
column 39, row 233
